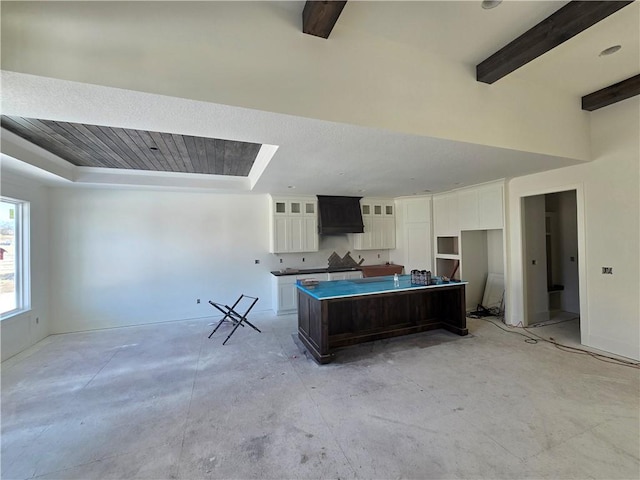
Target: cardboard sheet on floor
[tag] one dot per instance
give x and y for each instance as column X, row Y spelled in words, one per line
column 493, row 291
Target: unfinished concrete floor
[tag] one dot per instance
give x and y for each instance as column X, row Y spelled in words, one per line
column 163, row 401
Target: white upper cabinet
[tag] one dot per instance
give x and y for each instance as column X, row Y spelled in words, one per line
column 294, row 224
column 414, row 234
column 378, row 217
column 468, row 209
column 476, row 208
column 445, row 214
column 491, row 207
column 481, row 208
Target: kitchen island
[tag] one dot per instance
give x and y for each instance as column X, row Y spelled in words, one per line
column 347, row 312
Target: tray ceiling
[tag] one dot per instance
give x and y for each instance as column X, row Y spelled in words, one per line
column 87, row 145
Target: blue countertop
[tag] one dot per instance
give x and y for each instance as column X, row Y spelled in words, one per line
column 366, row 286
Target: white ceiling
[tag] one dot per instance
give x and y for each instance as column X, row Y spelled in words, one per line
column 325, row 157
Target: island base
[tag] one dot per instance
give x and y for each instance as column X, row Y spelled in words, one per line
column 325, row 325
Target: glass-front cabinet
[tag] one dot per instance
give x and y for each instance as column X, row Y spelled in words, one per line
column 378, row 216
column 294, row 224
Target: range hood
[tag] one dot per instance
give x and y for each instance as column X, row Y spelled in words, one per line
column 338, row 215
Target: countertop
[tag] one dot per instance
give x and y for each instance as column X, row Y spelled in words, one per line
column 304, row 271
column 367, row 286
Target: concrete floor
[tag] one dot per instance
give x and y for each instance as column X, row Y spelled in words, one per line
column 163, row 401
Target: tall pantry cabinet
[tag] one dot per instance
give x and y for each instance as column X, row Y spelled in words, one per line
column 468, row 236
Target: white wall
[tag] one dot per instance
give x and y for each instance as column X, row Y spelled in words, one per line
column 21, row 331
column 253, row 54
column 125, row 257
column 608, row 205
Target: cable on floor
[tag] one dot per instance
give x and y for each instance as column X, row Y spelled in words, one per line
column 562, row 347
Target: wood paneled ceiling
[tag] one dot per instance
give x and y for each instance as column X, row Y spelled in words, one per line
column 98, row 146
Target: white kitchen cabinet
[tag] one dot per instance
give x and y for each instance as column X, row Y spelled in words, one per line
column 481, row 208
column 491, row 207
column 345, row 275
column 378, row 217
column 294, row 224
column 414, row 234
column 285, row 293
column 445, row 214
column 468, row 209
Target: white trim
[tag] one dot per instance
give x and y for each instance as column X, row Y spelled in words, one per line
column 22, row 257
column 516, row 267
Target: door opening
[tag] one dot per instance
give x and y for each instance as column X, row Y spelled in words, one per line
column 551, row 264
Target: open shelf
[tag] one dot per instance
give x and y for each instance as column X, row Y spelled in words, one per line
column 447, row 246
column 446, row 266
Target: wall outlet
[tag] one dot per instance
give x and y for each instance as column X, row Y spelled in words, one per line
column 37, row 320
column 280, row 260
column 573, row 259
column 533, row 262
column 197, row 300
column 607, row 270
column 303, row 259
column 378, row 255
column 256, row 262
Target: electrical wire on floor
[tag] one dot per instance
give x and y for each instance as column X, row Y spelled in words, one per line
column 565, row 348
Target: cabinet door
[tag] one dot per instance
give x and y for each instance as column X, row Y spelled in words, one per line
column 445, row 214
column 388, row 233
column 310, row 234
column 287, row 296
column 364, row 241
column 416, row 210
column 281, row 234
column 418, row 246
column 468, row 209
column 490, row 208
column 298, row 234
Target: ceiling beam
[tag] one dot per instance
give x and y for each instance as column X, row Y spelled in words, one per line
column 614, row 93
column 562, row 25
column 319, row 17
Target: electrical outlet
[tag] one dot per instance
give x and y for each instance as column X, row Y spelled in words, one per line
column 256, row 262
column 303, row 259
column 37, row 320
column 533, row 262
column 573, row 259
column 197, row 300
column 607, row 270
column 378, row 255
column 280, row 260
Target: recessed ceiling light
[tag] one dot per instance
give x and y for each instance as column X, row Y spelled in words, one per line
column 610, row 50
column 489, row 4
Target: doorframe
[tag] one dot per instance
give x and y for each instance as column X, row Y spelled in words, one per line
column 516, row 268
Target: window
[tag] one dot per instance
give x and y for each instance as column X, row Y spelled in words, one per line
column 14, row 256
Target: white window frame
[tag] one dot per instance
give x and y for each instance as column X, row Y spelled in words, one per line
column 22, row 257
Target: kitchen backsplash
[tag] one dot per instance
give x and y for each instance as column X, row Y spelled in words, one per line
column 328, row 244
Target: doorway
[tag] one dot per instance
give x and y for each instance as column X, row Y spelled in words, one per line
column 551, row 263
